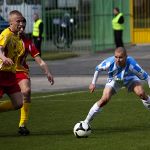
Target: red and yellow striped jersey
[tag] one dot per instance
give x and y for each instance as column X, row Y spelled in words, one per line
column 13, row 48
column 29, row 48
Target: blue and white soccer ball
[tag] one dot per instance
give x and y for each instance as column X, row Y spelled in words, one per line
column 82, row 129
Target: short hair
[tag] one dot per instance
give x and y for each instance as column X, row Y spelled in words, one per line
column 14, row 12
column 117, row 9
column 121, row 49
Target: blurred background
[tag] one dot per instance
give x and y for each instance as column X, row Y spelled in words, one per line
column 84, row 24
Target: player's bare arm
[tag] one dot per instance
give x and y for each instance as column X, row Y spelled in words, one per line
column 45, row 68
column 92, row 87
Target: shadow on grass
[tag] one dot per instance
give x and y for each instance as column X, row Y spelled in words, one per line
column 38, row 133
column 102, row 131
column 110, row 130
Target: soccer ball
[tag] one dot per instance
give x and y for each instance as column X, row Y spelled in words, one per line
column 82, row 129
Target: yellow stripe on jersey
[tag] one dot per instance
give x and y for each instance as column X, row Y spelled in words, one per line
column 13, row 46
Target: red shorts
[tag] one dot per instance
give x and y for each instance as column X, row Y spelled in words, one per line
column 8, row 83
column 22, row 75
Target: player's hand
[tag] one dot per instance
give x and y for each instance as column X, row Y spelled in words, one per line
column 50, row 78
column 92, row 88
column 7, row 61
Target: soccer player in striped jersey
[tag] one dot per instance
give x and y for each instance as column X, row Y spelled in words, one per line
column 123, row 71
column 23, row 79
column 10, row 49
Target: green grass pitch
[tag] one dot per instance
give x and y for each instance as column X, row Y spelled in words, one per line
column 124, row 124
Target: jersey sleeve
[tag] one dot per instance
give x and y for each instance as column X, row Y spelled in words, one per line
column 33, row 50
column 104, row 65
column 136, row 69
column 4, row 37
column 95, row 77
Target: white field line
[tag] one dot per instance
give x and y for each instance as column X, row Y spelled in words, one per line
column 57, row 94
column 63, row 94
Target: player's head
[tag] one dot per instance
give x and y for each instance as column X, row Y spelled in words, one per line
column 120, row 56
column 35, row 16
column 15, row 20
column 23, row 26
column 116, row 10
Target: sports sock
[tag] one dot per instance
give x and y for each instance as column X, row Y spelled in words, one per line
column 93, row 111
column 24, row 114
column 146, row 103
column 6, row 106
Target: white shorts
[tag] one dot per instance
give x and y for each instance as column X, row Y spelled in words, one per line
column 118, row 84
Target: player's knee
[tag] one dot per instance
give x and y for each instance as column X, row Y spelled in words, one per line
column 18, row 105
column 26, row 91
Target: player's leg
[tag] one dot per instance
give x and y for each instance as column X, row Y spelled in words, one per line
column 139, row 91
column 9, row 86
column 97, row 107
column 25, row 86
column 5, row 105
column 16, row 99
column 15, row 96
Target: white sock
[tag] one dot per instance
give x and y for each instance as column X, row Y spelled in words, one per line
column 93, row 111
column 148, row 100
column 146, row 103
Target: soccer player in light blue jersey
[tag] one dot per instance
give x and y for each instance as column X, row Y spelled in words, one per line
column 123, row 71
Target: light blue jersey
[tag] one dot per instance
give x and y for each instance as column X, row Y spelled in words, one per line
column 130, row 72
